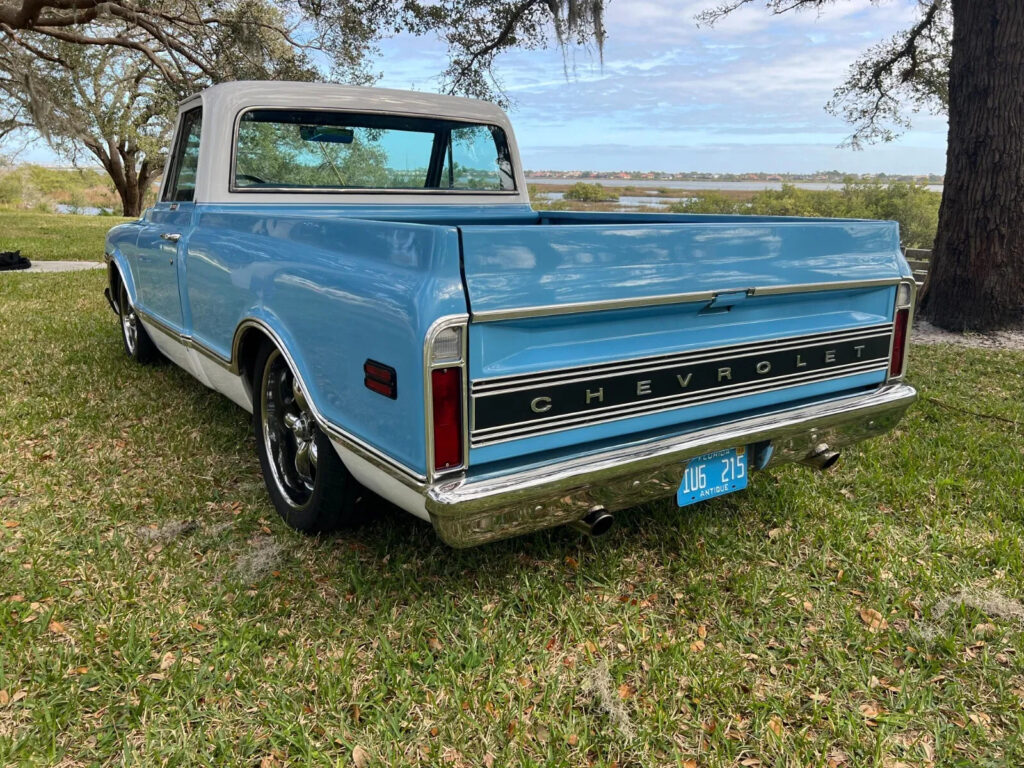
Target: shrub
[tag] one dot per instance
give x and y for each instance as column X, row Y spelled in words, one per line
column 589, row 193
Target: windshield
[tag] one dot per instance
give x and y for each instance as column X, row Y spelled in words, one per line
column 307, row 149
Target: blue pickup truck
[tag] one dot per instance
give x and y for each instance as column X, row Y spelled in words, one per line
column 362, row 270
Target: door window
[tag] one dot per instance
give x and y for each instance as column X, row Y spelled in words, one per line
column 181, row 183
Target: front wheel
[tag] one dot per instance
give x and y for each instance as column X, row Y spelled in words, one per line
column 137, row 344
column 308, row 483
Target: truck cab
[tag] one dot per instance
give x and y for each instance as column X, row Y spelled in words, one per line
column 362, row 270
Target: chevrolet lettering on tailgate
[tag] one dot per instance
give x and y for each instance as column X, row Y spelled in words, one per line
column 361, row 270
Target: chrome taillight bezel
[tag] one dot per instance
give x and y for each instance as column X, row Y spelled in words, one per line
column 453, row 355
column 906, row 300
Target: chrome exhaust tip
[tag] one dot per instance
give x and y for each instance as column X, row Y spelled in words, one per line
column 822, row 457
column 595, row 523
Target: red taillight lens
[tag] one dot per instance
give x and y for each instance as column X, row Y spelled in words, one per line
column 447, row 398
column 899, row 342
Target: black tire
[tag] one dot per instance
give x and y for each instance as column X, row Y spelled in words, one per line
column 315, row 494
column 137, row 344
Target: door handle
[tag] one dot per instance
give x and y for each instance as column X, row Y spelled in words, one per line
column 172, row 236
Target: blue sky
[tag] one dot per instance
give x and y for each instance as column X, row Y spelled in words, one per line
column 746, row 95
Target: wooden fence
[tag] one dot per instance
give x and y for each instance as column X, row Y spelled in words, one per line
column 920, row 259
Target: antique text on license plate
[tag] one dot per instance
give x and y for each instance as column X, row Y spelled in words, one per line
column 713, row 474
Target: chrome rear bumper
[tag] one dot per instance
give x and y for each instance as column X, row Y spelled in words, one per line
column 467, row 512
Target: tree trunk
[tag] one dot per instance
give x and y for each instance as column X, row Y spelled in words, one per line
column 977, row 273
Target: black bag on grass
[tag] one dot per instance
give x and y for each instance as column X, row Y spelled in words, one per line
column 13, row 260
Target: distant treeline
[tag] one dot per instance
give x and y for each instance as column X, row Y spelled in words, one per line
column 915, row 207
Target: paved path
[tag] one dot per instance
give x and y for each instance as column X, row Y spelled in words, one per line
column 58, row 266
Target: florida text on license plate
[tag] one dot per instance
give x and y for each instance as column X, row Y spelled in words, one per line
column 713, row 474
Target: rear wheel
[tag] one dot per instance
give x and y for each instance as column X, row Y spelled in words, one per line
column 310, row 486
column 137, row 344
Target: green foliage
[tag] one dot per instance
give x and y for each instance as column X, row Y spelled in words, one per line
column 589, row 193
column 915, row 207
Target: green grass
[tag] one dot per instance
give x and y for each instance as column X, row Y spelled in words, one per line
column 154, row 610
column 55, row 236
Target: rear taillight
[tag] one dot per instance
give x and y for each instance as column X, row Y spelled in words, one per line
column 900, row 328
column 446, row 391
column 899, row 342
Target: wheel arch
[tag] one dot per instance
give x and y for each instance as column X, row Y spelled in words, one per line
column 119, row 273
column 249, row 338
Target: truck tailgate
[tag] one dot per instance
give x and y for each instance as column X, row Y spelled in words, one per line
column 584, row 333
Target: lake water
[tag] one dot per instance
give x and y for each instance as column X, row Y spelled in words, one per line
column 85, row 210
column 739, row 186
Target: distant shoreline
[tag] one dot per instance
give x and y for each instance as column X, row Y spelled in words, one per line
column 704, row 185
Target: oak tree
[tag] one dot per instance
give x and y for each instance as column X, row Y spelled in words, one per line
column 103, row 75
column 964, row 57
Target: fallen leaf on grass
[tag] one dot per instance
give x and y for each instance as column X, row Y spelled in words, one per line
column 57, row 628
column 360, row 757
column 775, row 725
column 697, row 646
column 17, row 696
column 985, row 630
column 625, row 691
column 691, row 763
column 875, row 621
column 870, row 711
column 435, row 644
column 702, row 631
column 489, row 760
column 980, row 719
column 167, row 661
column 11, row 523
column 774, row 533
column 750, row 762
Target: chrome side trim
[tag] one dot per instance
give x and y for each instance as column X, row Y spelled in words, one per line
column 366, row 451
column 448, row 321
column 188, row 341
column 502, row 434
column 549, row 310
column 468, row 512
column 516, row 382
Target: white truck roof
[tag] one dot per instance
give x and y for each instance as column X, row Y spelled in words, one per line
column 223, row 104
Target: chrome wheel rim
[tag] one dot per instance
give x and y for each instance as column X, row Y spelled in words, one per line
column 289, row 432
column 129, row 323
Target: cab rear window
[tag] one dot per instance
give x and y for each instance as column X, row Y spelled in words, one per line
column 322, row 150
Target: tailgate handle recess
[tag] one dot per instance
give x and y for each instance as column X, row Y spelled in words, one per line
column 724, row 301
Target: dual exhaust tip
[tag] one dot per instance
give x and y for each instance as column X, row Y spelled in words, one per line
column 821, row 457
column 598, row 521
column 595, row 523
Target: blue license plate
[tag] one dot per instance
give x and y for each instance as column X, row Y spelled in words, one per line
column 713, row 474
